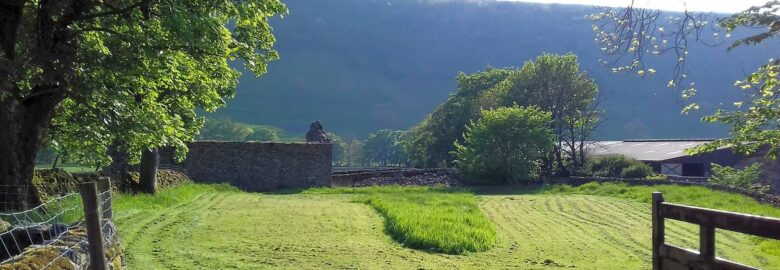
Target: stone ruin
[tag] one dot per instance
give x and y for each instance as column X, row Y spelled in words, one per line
column 316, row 134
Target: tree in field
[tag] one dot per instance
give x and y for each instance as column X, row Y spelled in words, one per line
column 339, row 151
column 429, row 143
column 505, row 145
column 555, row 84
column 630, row 35
column 88, row 74
column 384, row 148
column 552, row 82
column 353, row 153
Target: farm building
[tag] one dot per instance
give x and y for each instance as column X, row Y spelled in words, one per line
column 668, row 156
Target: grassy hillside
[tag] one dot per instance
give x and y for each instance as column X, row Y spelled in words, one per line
column 359, row 66
column 217, row 227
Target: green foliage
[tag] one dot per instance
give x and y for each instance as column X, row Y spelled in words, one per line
column 339, row 150
column 140, row 78
column 754, row 118
column 505, row 145
column 617, row 166
column 384, row 148
column 756, row 17
column 752, row 121
column 745, row 178
column 433, row 219
column 264, row 134
column 354, row 153
column 429, row 143
column 636, row 171
column 225, row 129
column 553, row 83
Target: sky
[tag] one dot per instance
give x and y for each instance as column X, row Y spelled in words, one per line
column 718, row 6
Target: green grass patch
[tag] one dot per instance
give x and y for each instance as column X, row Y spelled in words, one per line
column 124, row 203
column 197, row 226
column 690, row 195
column 428, row 218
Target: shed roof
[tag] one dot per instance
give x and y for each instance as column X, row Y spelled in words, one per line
column 645, row 150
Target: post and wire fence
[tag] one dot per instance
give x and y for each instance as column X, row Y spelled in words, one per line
column 62, row 231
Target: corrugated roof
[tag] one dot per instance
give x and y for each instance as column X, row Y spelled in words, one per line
column 645, row 150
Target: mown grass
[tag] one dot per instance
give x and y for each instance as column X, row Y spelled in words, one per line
column 690, row 195
column 216, row 227
column 124, row 203
column 428, row 218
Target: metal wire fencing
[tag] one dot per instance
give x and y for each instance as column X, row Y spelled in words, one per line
column 57, row 233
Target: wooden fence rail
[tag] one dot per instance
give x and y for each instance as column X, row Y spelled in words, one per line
column 666, row 256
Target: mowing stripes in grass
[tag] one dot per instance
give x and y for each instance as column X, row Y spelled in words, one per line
column 433, row 219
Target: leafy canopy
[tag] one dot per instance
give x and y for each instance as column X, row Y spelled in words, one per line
column 384, row 147
column 140, row 77
column 630, row 34
column 552, row 82
column 505, row 145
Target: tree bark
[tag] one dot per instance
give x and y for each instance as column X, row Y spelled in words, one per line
column 23, row 125
column 150, row 159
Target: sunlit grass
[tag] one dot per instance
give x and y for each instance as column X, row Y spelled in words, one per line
column 428, row 218
column 690, row 195
column 124, row 203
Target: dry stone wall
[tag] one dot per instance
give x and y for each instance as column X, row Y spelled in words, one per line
column 256, row 166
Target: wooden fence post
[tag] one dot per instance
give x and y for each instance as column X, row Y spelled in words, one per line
column 89, row 196
column 104, row 185
column 658, row 229
column 707, row 244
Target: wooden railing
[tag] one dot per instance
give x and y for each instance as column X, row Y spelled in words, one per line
column 666, row 256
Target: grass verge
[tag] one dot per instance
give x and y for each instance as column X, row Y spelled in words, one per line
column 427, row 218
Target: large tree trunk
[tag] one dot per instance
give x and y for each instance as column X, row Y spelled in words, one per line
column 22, row 125
column 150, row 159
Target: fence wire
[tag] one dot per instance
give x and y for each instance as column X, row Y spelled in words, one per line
column 41, row 225
column 49, row 228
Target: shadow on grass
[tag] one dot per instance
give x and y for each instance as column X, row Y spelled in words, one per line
column 507, row 189
column 285, row 191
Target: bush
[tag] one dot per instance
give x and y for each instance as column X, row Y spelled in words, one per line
column 636, row 171
column 617, row 166
column 505, row 145
column 746, row 178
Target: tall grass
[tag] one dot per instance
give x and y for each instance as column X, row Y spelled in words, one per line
column 427, row 218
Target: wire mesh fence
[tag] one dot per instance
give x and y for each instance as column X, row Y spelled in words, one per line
column 55, row 234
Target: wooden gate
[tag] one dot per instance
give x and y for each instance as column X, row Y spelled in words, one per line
column 666, row 256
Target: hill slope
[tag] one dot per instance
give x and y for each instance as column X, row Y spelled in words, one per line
column 359, row 66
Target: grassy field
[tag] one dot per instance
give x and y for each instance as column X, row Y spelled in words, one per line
column 217, row 227
column 432, row 219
